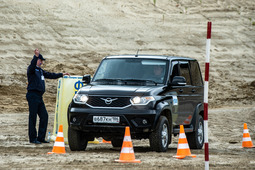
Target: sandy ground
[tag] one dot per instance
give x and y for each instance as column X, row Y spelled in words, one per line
column 75, row 35
column 225, row 141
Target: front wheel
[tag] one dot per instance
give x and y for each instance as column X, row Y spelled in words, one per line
column 196, row 138
column 161, row 137
column 77, row 140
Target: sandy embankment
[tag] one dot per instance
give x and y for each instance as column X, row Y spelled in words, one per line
column 75, row 35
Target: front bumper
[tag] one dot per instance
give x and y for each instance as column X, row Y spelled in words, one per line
column 139, row 121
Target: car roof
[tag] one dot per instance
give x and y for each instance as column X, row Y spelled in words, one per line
column 164, row 57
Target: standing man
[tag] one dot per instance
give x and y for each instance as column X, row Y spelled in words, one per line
column 35, row 90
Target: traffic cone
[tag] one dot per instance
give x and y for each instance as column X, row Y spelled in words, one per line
column 183, row 146
column 127, row 154
column 59, row 145
column 247, row 143
column 104, row 141
column 188, row 120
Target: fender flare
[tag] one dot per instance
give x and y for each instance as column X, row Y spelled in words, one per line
column 162, row 107
column 199, row 109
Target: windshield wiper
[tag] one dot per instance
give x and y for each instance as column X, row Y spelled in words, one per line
column 107, row 80
column 126, row 80
column 137, row 80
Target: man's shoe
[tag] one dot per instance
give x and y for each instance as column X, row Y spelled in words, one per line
column 35, row 142
column 44, row 141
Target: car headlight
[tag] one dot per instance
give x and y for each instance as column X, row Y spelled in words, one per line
column 80, row 98
column 141, row 100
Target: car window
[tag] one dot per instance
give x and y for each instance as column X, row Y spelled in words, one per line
column 133, row 69
column 184, row 71
column 175, row 70
column 195, row 74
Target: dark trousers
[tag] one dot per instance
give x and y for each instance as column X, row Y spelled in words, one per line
column 36, row 106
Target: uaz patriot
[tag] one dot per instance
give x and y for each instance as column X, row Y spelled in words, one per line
column 153, row 95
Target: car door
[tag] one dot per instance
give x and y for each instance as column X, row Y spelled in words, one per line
column 186, row 104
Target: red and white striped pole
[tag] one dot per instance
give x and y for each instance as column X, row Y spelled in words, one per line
column 207, row 61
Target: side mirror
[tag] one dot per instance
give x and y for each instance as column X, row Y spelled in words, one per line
column 86, row 79
column 178, row 81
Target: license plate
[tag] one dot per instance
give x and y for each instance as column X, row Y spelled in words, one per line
column 106, row 119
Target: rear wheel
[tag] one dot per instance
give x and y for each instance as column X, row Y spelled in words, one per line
column 77, row 140
column 161, row 137
column 196, row 138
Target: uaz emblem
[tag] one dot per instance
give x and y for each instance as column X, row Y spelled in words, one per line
column 108, row 100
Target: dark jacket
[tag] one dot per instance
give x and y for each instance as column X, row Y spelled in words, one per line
column 36, row 75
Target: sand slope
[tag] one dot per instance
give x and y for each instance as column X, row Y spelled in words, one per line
column 75, row 35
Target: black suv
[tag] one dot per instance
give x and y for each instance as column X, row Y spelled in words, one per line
column 153, row 95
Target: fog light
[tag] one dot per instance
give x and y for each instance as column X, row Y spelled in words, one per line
column 145, row 121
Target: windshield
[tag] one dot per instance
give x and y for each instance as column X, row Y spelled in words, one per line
column 132, row 70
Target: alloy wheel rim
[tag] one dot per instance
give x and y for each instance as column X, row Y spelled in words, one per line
column 200, row 134
column 164, row 135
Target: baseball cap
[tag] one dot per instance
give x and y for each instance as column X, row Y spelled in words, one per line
column 41, row 57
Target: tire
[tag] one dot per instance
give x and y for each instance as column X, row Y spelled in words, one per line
column 161, row 137
column 77, row 140
column 196, row 138
column 117, row 142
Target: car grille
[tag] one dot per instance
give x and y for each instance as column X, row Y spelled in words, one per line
column 102, row 101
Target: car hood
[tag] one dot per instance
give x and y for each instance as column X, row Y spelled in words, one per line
column 117, row 90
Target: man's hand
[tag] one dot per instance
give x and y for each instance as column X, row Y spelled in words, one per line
column 64, row 74
column 37, row 52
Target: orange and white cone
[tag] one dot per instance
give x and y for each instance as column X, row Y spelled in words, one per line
column 188, row 120
column 59, row 145
column 183, row 146
column 104, row 141
column 127, row 154
column 247, row 143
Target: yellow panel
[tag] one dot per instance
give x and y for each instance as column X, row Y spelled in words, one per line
column 67, row 87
